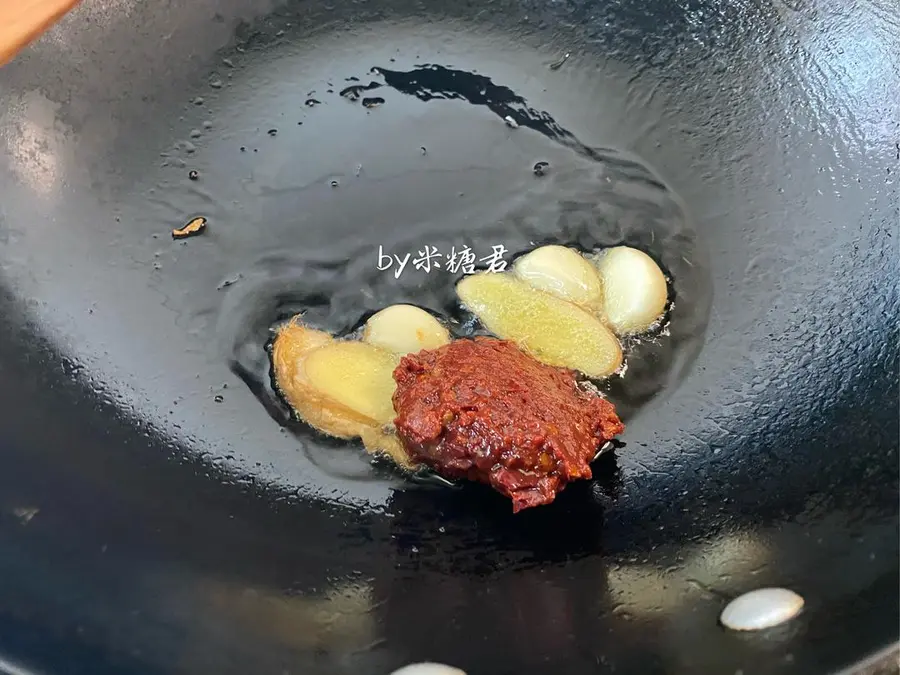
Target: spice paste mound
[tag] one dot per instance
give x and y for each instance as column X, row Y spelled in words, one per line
column 484, row 410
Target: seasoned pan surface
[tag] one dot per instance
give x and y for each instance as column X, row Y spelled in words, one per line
column 161, row 513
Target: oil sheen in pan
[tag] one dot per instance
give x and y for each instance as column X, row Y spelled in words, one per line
column 585, row 197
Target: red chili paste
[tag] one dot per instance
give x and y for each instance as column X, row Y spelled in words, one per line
column 484, row 410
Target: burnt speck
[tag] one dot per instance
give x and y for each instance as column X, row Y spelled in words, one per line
column 424, row 150
column 192, row 228
column 199, row 101
column 231, row 281
column 218, row 398
column 193, row 174
column 556, row 65
column 335, row 183
column 372, row 102
column 311, row 102
column 243, row 148
column 351, row 79
column 272, row 132
column 354, row 91
column 540, row 168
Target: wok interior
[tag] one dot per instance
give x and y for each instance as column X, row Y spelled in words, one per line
column 773, row 462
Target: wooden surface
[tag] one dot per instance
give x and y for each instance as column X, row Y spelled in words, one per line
column 22, row 21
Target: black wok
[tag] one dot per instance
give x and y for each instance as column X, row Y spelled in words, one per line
column 160, row 514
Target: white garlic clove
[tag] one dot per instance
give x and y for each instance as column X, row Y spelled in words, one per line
column 428, row 669
column 563, row 272
column 762, row 608
column 634, row 289
column 405, row 329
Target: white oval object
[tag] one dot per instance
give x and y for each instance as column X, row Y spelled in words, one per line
column 428, row 669
column 634, row 289
column 563, row 272
column 762, row 608
column 405, row 329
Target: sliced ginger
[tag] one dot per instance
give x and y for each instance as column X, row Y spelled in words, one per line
column 341, row 387
column 552, row 330
column 356, row 375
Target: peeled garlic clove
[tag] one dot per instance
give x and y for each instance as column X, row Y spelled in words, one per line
column 428, row 669
column 356, row 375
column 762, row 608
column 563, row 272
column 405, row 329
column 634, row 289
column 552, row 330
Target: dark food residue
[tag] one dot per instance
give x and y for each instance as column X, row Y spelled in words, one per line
column 192, row 228
column 354, row 91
